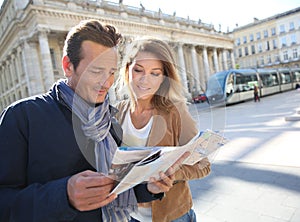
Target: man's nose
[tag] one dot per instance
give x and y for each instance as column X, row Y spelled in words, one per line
column 107, row 80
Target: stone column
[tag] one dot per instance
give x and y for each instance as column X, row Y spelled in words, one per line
column 32, row 69
column 2, row 78
column 225, row 67
column 195, row 73
column 205, row 61
column 12, row 73
column 18, row 65
column 47, row 66
column 181, row 63
column 220, row 58
column 8, row 76
column 232, row 59
column 216, row 63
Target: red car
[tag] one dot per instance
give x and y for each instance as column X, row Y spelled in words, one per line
column 200, row 98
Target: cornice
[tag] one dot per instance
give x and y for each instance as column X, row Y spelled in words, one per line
column 126, row 26
column 53, row 16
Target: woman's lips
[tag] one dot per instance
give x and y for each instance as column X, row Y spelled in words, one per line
column 142, row 88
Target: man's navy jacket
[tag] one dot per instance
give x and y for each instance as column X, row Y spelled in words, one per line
column 39, row 151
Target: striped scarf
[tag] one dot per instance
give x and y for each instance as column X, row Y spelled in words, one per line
column 96, row 122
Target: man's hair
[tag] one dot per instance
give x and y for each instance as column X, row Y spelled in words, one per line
column 91, row 30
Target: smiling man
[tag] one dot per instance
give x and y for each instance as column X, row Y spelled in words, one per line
column 56, row 148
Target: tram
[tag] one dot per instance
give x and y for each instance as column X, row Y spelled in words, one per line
column 237, row 85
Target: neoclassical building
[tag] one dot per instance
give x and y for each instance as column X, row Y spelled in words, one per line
column 32, row 34
column 273, row 42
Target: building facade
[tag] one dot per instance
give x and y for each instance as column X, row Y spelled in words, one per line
column 32, row 34
column 273, row 42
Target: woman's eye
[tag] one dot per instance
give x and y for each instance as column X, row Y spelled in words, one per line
column 155, row 74
column 138, row 70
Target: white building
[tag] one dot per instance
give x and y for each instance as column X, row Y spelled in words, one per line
column 32, row 34
column 273, row 42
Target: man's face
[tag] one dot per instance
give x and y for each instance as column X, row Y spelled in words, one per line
column 95, row 72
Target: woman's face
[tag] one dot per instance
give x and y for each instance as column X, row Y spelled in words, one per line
column 145, row 75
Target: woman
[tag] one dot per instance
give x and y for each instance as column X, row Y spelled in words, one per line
column 156, row 115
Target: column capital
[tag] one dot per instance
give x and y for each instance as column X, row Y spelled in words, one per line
column 179, row 44
column 42, row 30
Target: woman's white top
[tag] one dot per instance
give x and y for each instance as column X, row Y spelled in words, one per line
column 133, row 136
column 137, row 137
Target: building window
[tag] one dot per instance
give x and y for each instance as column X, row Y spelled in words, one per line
column 252, row 49
column 238, row 41
column 295, row 54
column 244, row 39
column 273, row 31
column 276, row 58
column 267, row 46
column 251, row 37
column 259, row 46
column 269, row 59
column 283, row 41
column 258, row 36
column 262, row 62
column 246, row 51
column 285, row 55
column 240, row 53
column 265, row 33
column 281, row 29
column 274, row 44
column 292, row 26
column 293, row 39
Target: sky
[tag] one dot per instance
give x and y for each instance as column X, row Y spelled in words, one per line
column 212, row 11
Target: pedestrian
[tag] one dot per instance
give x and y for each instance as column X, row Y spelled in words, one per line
column 256, row 95
column 156, row 114
column 52, row 145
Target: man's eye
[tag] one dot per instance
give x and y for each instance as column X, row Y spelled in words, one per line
column 100, row 72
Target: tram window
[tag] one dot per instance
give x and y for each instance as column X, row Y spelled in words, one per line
column 245, row 82
column 285, row 78
column 296, row 76
column 229, row 85
column 269, row 80
column 275, row 79
column 239, row 82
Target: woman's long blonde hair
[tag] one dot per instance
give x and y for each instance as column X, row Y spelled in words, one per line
column 171, row 90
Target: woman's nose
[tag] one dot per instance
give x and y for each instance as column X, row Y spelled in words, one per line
column 144, row 77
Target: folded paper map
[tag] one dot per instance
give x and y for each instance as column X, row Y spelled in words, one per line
column 134, row 165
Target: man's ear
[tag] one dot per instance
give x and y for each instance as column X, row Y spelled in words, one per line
column 67, row 66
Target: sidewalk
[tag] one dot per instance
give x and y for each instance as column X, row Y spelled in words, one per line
column 256, row 176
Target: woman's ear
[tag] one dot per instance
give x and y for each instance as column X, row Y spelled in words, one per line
column 67, row 66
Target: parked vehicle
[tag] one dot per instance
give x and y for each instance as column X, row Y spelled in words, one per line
column 201, row 98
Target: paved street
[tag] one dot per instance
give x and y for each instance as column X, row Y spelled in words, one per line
column 256, row 176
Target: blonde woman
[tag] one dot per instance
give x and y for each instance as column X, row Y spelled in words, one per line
column 156, row 114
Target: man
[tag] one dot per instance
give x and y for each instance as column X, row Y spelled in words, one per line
column 52, row 144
